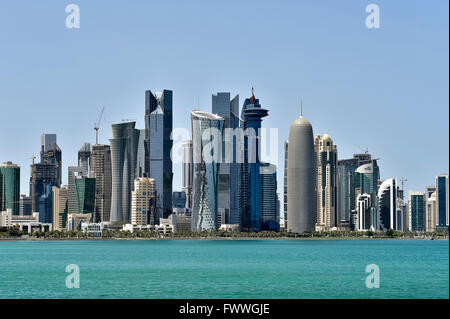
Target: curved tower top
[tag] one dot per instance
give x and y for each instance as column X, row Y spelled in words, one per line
column 302, row 205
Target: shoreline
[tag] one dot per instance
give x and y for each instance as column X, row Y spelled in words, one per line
column 222, row 238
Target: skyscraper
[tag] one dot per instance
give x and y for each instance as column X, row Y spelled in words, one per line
column 302, row 177
column 9, row 187
column 326, row 155
column 43, row 178
column 51, row 154
column 269, row 197
column 387, row 195
column 101, row 171
column 442, row 204
column 285, row 190
column 60, row 208
column 250, row 178
column 84, row 157
column 143, row 201
column 140, row 158
column 430, row 213
column 348, row 181
column 416, row 211
column 158, row 145
column 80, row 191
column 366, row 214
column 207, row 130
column 124, row 146
column 187, row 171
column 25, row 206
column 228, row 200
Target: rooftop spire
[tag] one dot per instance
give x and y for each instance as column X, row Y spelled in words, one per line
column 301, row 108
column 253, row 95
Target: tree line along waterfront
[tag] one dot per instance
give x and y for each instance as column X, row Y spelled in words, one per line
column 15, row 234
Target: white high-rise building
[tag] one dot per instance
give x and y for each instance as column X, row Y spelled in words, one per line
column 326, row 155
column 143, row 201
column 430, row 213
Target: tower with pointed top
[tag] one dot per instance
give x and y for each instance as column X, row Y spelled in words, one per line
column 302, row 175
column 250, row 179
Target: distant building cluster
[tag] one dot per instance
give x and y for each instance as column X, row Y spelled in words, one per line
column 128, row 184
column 323, row 193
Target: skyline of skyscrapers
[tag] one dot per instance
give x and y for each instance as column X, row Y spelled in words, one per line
column 237, row 189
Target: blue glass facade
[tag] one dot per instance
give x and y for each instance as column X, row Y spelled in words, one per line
column 250, row 196
column 158, row 145
column 442, row 200
column 43, row 178
column 417, row 211
column 206, row 128
column 228, row 200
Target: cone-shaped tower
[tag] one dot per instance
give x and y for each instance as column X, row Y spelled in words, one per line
column 301, row 172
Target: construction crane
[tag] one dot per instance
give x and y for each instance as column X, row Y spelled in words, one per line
column 96, row 126
column 32, row 158
column 366, row 151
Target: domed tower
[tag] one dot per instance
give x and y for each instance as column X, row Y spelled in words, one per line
column 302, row 174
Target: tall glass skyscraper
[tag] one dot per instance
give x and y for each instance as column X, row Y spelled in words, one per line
column 250, row 179
column 158, row 145
column 416, row 211
column 84, row 157
column 9, row 187
column 43, row 178
column 101, row 171
column 207, row 129
column 442, row 204
column 269, row 197
column 348, row 181
column 124, row 146
column 81, row 191
column 51, row 154
column 187, row 171
column 228, row 200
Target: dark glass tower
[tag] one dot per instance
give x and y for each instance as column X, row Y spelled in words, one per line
column 250, row 192
column 51, row 154
column 158, row 145
column 228, row 201
column 124, row 146
column 9, row 187
column 43, row 178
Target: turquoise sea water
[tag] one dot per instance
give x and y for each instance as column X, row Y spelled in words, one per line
column 225, row 269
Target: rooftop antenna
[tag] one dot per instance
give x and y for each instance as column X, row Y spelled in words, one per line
column 301, row 108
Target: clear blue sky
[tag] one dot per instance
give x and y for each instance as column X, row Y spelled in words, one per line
column 385, row 89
